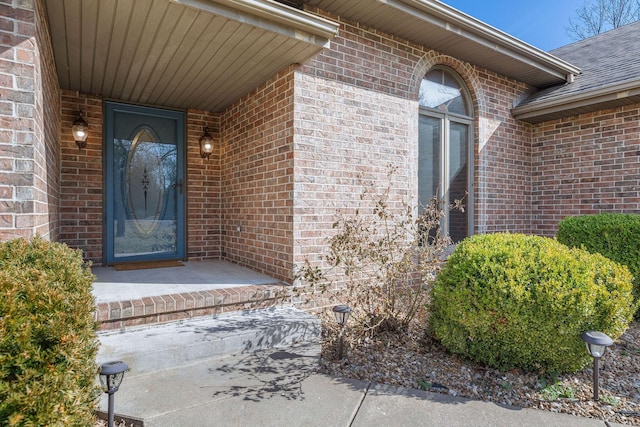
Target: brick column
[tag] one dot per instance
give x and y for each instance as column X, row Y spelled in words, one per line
column 29, row 123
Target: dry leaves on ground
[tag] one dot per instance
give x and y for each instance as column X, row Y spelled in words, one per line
column 413, row 360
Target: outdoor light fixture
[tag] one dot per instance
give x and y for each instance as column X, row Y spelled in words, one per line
column 111, row 375
column 597, row 343
column 206, row 144
column 80, row 131
column 342, row 314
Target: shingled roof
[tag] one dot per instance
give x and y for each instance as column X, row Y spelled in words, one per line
column 610, row 77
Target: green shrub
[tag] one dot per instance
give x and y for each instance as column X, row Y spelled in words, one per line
column 614, row 235
column 47, row 336
column 509, row 300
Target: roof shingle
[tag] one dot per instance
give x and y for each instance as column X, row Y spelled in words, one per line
column 606, row 60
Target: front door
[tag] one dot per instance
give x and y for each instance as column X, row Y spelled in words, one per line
column 144, row 183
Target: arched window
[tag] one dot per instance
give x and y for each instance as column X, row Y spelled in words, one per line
column 445, row 165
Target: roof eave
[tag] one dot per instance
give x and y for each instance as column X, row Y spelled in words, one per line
column 270, row 15
column 567, row 105
column 490, row 36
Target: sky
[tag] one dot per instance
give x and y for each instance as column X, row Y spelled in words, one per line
column 540, row 23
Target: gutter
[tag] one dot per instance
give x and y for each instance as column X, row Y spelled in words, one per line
column 268, row 15
column 471, row 28
column 614, row 92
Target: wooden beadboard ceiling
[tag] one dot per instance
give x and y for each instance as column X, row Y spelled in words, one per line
column 158, row 52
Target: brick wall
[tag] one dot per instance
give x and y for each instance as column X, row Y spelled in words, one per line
column 257, row 178
column 356, row 112
column 203, row 188
column 586, row 164
column 29, row 159
column 503, row 160
column 48, row 159
column 81, row 195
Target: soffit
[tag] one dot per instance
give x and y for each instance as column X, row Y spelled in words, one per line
column 202, row 54
column 440, row 27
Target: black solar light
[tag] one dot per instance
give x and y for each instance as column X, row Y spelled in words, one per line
column 342, row 314
column 597, row 343
column 111, row 375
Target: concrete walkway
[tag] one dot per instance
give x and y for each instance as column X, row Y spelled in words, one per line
column 282, row 387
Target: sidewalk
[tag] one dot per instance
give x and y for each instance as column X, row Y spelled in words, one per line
column 281, row 387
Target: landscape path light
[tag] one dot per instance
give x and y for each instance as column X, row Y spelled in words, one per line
column 597, row 343
column 342, row 314
column 111, row 375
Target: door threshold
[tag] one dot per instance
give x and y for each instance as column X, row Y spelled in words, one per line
column 147, row 264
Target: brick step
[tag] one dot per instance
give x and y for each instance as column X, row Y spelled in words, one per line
column 166, row 308
column 163, row 346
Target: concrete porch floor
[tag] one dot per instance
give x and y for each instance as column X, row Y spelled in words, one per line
column 142, row 297
column 111, row 285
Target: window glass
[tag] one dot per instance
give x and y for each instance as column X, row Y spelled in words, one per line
column 445, row 155
column 439, row 90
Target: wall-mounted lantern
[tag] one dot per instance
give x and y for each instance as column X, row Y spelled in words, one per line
column 80, row 130
column 206, row 144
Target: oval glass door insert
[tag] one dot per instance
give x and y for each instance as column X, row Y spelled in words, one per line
column 145, row 181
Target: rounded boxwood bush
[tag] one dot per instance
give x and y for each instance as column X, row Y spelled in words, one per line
column 47, row 336
column 614, row 235
column 510, row 300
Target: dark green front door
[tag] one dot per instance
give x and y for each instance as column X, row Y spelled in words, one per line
column 144, row 183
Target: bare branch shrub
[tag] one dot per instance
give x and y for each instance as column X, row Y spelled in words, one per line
column 380, row 261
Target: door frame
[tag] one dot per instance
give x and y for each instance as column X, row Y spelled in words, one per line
column 109, row 108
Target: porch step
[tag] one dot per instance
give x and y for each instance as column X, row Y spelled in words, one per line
column 156, row 309
column 159, row 347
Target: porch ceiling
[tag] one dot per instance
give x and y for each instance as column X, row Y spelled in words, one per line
column 435, row 25
column 202, row 54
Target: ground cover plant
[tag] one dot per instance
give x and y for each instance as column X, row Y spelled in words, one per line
column 47, row 336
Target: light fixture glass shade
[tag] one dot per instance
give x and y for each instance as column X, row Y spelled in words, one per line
column 596, row 350
column 342, row 313
column 80, row 130
column 206, row 144
column 597, row 343
column 111, row 375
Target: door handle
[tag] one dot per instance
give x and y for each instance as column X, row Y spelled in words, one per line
column 179, row 185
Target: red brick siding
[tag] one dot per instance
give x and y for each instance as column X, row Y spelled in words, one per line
column 586, row 164
column 257, row 178
column 357, row 112
column 48, row 116
column 29, row 161
column 81, row 194
column 203, row 188
column 503, row 160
